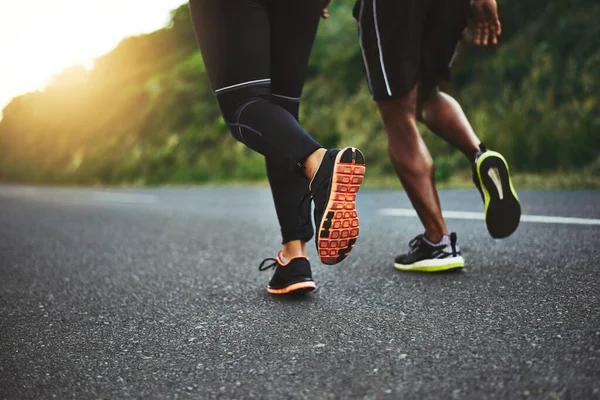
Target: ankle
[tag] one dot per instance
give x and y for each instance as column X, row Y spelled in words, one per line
column 475, row 152
column 293, row 249
column 472, row 153
column 313, row 162
column 435, row 237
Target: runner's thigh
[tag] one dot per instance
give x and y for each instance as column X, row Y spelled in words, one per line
column 234, row 39
column 293, row 29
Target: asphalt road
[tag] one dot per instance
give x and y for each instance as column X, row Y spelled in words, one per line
column 111, row 294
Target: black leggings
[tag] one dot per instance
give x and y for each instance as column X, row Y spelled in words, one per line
column 256, row 54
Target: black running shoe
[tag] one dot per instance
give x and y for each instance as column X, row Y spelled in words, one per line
column 291, row 277
column 425, row 256
column 502, row 207
column 333, row 190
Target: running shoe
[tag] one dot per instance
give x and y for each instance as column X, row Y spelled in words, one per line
column 333, row 190
column 293, row 276
column 424, row 256
column 502, row 207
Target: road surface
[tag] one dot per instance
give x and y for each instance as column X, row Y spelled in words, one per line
column 156, row 293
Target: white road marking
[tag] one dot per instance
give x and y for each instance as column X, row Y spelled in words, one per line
column 112, row 197
column 544, row 219
column 77, row 196
column 17, row 191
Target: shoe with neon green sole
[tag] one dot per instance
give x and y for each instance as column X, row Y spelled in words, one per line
column 424, row 256
column 502, row 206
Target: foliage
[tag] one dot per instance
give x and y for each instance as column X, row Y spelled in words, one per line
column 146, row 114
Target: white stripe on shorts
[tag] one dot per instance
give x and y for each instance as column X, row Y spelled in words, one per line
column 362, row 47
column 456, row 49
column 385, row 78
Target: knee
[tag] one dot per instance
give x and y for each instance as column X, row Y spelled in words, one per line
column 420, row 159
column 233, row 103
column 398, row 116
column 235, row 111
column 414, row 160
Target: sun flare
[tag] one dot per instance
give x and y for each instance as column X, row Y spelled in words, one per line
column 40, row 38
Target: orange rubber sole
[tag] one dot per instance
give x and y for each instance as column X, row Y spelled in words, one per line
column 296, row 287
column 339, row 228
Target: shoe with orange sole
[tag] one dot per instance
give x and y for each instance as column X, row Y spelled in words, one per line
column 291, row 277
column 333, row 189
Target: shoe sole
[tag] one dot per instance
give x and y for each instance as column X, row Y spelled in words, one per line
column 300, row 287
column 444, row 264
column 502, row 206
column 339, row 228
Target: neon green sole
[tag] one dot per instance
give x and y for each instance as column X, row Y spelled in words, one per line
column 480, row 160
column 424, row 268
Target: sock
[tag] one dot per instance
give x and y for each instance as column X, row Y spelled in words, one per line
column 482, row 149
column 445, row 241
column 283, row 259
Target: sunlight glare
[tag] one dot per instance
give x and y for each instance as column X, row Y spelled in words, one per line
column 40, row 38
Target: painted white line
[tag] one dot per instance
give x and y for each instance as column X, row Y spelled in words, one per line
column 560, row 220
column 111, row 197
column 544, row 219
column 18, row 191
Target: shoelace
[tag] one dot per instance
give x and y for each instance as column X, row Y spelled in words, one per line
column 414, row 244
column 263, row 267
column 416, row 240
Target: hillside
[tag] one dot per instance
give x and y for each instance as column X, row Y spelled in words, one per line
column 145, row 112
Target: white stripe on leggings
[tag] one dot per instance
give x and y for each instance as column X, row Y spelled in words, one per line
column 296, row 99
column 244, row 84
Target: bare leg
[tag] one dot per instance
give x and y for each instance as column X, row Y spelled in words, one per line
column 412, row 162
column 312, row 163
column 295, row 248
column 445, row 117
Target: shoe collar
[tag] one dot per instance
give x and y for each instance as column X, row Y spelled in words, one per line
column 280, row 260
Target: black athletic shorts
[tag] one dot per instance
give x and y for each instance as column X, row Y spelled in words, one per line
column 407, row 41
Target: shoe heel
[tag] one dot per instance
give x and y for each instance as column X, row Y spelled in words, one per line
column 338, row 240
column 502, row 207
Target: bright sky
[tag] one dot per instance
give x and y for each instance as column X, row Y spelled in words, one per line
column 40, row 37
